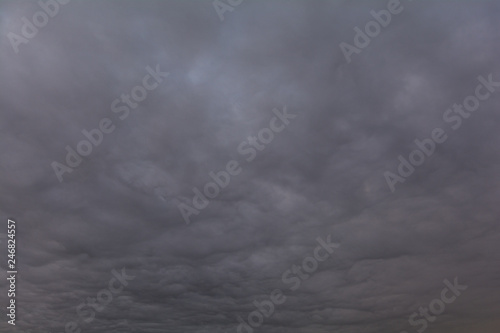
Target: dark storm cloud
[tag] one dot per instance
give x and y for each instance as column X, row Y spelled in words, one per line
column 119, row 207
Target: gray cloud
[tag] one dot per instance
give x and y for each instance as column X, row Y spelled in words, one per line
column 119, row 207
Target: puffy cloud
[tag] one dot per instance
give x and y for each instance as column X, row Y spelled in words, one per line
column 323, row 174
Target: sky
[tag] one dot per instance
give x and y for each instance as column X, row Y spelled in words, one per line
column 353, row 194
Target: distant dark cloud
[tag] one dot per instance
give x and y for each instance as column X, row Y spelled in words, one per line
column 119, row 207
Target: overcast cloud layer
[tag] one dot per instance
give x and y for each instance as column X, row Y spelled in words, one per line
column 322, row 175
